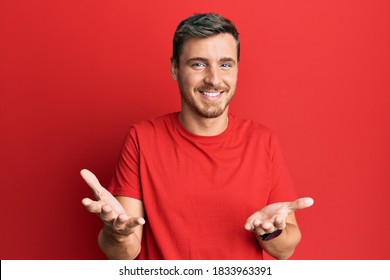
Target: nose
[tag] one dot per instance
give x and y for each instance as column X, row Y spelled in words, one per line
column 212, row 77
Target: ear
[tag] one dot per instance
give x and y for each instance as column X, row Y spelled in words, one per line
column 174, row 69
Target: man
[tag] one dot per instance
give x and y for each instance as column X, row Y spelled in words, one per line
column 189, row 185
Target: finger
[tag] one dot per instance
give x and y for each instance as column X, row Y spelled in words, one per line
column 267, row 227
column 126, row 224
column 92, row 182
column 256, row 222
column 249, row 224
column 135, row 221
column 279, row 223
column 120, row 221
column 259, row 227
column 92, row 206
column 252, row 222
column 301, row 203
column 107, row 215
column 260, row 230
column 86, row 202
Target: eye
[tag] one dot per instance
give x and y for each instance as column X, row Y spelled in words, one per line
column 198, row 65
column 226, row 66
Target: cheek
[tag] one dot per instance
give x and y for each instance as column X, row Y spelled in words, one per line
column 230, row 80
column 191, row 81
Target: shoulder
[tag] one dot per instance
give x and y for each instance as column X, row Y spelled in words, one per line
column 254, row 134
column 250, row 127
column 154, row 122
column 152, row 127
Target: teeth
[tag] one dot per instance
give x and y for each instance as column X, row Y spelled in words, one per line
column 211, row 94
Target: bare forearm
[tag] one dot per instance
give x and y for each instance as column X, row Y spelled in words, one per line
column 283, row 246
column 119, row 248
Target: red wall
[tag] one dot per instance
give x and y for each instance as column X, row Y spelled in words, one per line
column 75, row 74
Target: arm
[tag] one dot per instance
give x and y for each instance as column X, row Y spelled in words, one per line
column 120, row 237
column 278, row 216
column 122, row 217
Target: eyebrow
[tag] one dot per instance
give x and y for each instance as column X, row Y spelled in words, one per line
column 227, row 59
column 197, row 59
column 223, row 59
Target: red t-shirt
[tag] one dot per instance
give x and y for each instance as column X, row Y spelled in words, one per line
column 198, row 191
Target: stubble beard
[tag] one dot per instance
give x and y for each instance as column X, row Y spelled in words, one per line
column 205, row 108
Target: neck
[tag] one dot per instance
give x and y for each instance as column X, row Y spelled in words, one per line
column 204, row 126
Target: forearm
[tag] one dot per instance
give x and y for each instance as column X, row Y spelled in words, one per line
column 283, row 246
column 119, row 247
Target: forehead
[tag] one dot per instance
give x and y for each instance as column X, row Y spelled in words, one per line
column 212, row 48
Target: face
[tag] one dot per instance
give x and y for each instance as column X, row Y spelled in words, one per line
column 207, row 74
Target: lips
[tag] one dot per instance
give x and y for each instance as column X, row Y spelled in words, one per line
column 211, row 94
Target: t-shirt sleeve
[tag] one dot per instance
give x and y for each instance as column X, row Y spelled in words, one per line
column 282, row 188
column 126, row 178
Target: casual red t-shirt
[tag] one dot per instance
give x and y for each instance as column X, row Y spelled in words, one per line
column 198, row 191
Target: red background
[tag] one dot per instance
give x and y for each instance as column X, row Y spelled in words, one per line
column 75, row 74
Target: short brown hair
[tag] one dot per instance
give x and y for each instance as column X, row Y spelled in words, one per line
column 202, row 26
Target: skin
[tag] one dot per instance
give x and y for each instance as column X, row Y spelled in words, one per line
column 122, row 219
column 206, row 66
column 207, row 76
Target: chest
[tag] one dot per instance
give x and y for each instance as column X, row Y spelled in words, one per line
column 216, row 180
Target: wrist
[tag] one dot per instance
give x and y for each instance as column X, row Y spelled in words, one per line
column 124, row 247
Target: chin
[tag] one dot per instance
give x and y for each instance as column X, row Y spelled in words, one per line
column 211, row 114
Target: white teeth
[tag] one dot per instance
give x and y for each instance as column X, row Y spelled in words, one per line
column 211, row 94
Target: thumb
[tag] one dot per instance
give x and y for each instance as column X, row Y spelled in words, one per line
column 301, row 203
column 92, row 182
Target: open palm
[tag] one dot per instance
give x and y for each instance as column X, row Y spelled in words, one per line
column 108, row 207
column 273, row 216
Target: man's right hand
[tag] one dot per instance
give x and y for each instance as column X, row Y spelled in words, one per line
column 117, row 222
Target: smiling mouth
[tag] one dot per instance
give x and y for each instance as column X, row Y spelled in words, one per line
column 211, row 93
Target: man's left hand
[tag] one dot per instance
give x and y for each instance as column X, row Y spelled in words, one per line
column 273, row 216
